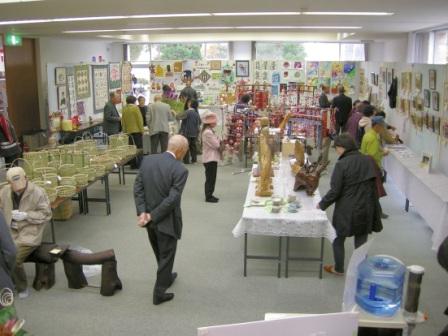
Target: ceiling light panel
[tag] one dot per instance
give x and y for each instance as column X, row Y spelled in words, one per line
column 16, row 1
column 349, row 13
column 256, row 14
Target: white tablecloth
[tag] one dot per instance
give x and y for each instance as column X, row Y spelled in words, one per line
column 428, row 192
column 307, row 222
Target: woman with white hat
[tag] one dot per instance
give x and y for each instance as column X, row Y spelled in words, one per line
column 211, row 154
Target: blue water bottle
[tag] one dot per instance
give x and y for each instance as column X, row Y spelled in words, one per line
column 379, row 288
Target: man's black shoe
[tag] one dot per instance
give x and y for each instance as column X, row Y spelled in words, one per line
column 162, row 298
column 212, row 199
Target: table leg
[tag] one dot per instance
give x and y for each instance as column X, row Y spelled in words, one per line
column 279, row 257
column 107, row 193
column 124, row 178
column 287, row 257
column 245, row 255
column 119, row 175
column 406, row 206
column 53, row 235
column 86, row 202
column 321, row 264
column 80, row 203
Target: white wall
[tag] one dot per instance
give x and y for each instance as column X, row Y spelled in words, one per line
column 374, row 51
column 396, row 50
column 61, row 51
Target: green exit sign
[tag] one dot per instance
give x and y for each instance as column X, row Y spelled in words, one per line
column 13, row 40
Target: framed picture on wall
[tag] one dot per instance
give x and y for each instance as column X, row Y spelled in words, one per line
column 418, row 81
column 427, row 98
column 435, row 100
column 62, row 97
column 60, row 76
column 432, row 79
column 242, row 68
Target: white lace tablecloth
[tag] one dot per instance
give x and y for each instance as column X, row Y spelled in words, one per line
column 307, row 222
column 428, row 192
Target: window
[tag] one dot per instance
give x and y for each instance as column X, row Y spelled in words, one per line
column 352, row 52
column 217, row 51
column 441, row 47
column 310, row 51
column 176, row 51
column 139, row 53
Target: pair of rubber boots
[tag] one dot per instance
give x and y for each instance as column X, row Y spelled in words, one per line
column 74, row 260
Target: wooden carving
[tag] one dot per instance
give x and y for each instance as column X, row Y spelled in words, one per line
column 308, row 177
column 264, row 161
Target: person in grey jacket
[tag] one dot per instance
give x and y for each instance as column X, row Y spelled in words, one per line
column 158, row 117
column 111, row 118
column 8, row 253
column 157, row 193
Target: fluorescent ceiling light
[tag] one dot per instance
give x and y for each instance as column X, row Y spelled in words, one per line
column 298, row 27
column 204, row 28
column 350, row 13
column 97, row 18
column 146, row 16
column 114, row 30
column 256, row 13
column 15, row 1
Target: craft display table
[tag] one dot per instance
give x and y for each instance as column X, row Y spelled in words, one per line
column 428, row 192
column 120, row 167
column 70, row 136
column 308, row 222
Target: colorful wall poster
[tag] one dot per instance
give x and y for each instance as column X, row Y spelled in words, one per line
column 312, row 73
column 100, row 87
column 325, row 69
column 82, row 80
column 126, row 77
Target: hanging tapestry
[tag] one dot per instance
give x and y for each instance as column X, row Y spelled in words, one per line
column 100, row 87
column 71, row 95
column 126, row 77
column 82, row 80
column 114, row 76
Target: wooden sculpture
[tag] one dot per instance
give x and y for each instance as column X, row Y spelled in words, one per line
column 308, row 177
column 299, row 153
column 264, row 161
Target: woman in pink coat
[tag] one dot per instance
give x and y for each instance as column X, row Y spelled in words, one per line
column 211, row 154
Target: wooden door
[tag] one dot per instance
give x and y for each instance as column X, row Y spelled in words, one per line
column 21, row 86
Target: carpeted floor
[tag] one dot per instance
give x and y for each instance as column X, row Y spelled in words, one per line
column 210, row 288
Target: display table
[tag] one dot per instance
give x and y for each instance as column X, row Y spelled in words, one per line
column 308, row 222
column 123, row 162
column 428, row 192
column 90, row 128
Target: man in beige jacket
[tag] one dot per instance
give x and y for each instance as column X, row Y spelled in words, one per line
column 27, row 210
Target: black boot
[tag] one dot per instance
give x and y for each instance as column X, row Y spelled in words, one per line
column 109, row 278
column 75, row 276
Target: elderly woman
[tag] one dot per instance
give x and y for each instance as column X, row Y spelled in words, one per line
column 353, row 190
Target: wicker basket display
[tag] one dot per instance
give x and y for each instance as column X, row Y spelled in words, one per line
column 51, row 178
column 67, row 180
column 51, row 193
column 41, row 171
column 105, row 160
column 66, row 191
column 129, row 150
column 88, row 146
column 63, row 211
column 117, row 152
column 67, row 169
column 90, row 173
column 40, row 183
column 81, row 179
column 118, row 140
column 100, row 169
column 37, row 159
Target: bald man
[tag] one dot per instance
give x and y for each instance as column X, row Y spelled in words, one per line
column 158, row 117
column 157, row 193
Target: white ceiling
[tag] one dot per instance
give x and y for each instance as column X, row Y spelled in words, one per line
column 410, row 15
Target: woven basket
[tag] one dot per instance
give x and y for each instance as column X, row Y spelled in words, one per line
column 118, row 140
column 51, row 193
column 67, row 169
column 37, row 159
column 88, row 146
column 54, row 155
column 67, row 181
column 66, row 191
column 40, row 183
column 105, row 160
column 41, row 171
column 100, row 169
column 129, row 150
column 64, row 211
column 52, row 178
column 117, row 152
column 80, row 159
column 91, row 173
column 81, row 179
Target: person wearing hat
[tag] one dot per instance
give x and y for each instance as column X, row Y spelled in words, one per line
column 211, row 154
column 27, row 210
column 353, row 189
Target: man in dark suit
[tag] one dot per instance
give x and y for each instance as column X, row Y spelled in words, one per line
column 323, row 98
column 157, row 193
column 343, row 106
column 111, row 117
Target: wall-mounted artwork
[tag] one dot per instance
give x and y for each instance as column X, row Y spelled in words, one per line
column 427, row 98
column 445, row 97
column 178, row 67
column 215, row 65
column 126, row 77
column 114, row 76
column 100, row 87
column 71, row 94
column 242, row 68
column 60, row 76
column 418, row 81
column 435, row 100
column 432, row 79
column 82, row 81
column 62, row 97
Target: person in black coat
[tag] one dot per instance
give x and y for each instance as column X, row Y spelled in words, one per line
column 357, row 210
column 190, row 129
column 8, row 253
column 343, row 106
column 157, row 192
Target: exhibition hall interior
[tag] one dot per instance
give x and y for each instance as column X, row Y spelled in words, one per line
column 224, row 167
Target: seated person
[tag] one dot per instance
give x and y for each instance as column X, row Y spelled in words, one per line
column 27, row 209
